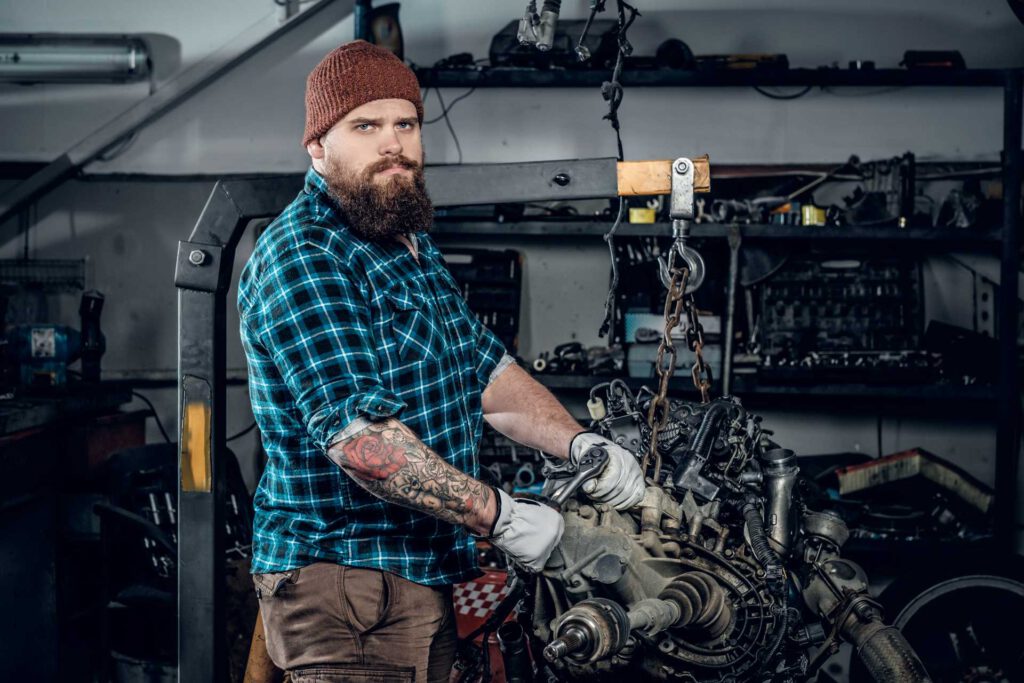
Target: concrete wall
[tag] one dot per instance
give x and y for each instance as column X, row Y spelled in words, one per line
column 252, row 121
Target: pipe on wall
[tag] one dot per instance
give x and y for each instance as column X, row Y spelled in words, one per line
column 61, row 58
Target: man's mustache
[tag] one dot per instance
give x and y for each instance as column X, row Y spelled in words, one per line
column 391, row 162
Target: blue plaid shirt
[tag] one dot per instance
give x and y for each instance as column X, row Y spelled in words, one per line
column 336, row 328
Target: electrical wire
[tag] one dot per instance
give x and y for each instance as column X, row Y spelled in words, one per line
column 612, row 92
column 156, row 418
column 792, row 96
column 609, row 302
column 242, row 433
column 448, row 122
column 163, row 432
column 445, row 110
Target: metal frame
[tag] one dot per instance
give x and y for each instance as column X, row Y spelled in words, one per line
column 202, row 276
column 1008, row 398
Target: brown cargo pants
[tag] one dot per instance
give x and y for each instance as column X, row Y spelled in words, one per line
column 328, row 623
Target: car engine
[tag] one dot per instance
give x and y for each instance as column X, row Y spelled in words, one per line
column 720, row 574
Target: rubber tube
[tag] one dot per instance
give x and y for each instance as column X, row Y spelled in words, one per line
column 888, row 656
column 763, row 551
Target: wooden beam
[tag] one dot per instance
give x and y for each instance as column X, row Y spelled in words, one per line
column 655, row 177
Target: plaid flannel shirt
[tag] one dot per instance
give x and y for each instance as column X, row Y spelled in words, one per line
column 336, row 328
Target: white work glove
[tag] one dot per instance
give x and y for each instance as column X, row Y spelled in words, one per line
column 621, row 483
column 527, row 530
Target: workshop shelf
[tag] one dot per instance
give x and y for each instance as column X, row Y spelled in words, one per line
column 999, row 402
column 986, row 240
column 926, row 399
column 520, row 77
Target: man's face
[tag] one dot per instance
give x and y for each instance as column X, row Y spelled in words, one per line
column 372, row 160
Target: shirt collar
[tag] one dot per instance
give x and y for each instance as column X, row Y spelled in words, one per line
column 314, row 182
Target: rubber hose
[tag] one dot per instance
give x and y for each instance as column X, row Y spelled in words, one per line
column 512, row 642
column 700, row 442
column 890, row 659
column 700, row 447
column 758, row 538
column 783, row 628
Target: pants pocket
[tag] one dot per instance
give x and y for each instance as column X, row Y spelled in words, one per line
column 270, row 584
column 366, row 595
column 353, row 674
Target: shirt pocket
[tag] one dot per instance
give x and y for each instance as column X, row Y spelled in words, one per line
column 414, row 326
column 461, row 318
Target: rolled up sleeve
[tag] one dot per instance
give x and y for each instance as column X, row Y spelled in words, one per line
column 315, row 323
column 491, row 356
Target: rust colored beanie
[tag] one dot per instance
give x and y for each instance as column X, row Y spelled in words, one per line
column 350, row 76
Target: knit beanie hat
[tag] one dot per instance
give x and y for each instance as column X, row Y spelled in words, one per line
column 350, row 76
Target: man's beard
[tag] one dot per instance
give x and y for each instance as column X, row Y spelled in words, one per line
column 381, row 210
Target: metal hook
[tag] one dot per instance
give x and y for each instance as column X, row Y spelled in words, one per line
column 690, row 256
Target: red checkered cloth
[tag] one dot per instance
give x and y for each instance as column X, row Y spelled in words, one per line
column 475, row 600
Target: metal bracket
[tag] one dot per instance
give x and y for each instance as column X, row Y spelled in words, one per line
column 681, row 210
column 681, row 199
column 198, row 267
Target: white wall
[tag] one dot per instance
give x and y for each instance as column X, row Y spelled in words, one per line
column 252, row 122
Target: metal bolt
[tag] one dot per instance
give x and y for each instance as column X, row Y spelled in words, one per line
column 682, row 166
column 562, row 179
column 197, row 257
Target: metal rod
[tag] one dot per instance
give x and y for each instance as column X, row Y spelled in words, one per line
column 202, row 397
column 1008, row 393
column 730, row 311
column 361, row 20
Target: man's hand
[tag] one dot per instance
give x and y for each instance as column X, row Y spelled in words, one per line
column 620, row 483
column 527, row 530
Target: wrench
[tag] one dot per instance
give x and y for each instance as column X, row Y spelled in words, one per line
column 589, row 466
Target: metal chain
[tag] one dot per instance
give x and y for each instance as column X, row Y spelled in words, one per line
column 657, row 413
column 676, row 302
column 701, row 371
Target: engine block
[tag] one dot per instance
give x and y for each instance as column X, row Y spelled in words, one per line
column 721, row 573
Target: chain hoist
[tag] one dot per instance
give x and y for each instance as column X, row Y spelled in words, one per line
column 682, row 272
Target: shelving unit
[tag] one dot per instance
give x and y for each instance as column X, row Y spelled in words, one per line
column 910, row 399
column 987, row 240
column 517, row 77
column 1003, row 399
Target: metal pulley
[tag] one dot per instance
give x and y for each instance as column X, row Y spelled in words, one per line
column 681, row 211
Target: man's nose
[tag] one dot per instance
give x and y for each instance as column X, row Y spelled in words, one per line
column 390, row 143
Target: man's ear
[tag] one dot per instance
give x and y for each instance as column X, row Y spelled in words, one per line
column 315, row 149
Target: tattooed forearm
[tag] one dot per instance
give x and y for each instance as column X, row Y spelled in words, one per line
column 388, row 460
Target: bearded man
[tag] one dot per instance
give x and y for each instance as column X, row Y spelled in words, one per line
column 370, row 379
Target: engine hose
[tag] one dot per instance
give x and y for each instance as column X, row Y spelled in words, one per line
column 760, row 545
column 687, row 473
column 887, row 654
column 780, row 634
column 700, row 444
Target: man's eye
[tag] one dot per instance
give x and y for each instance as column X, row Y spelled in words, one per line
column 407, row 125
column 364, row 126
